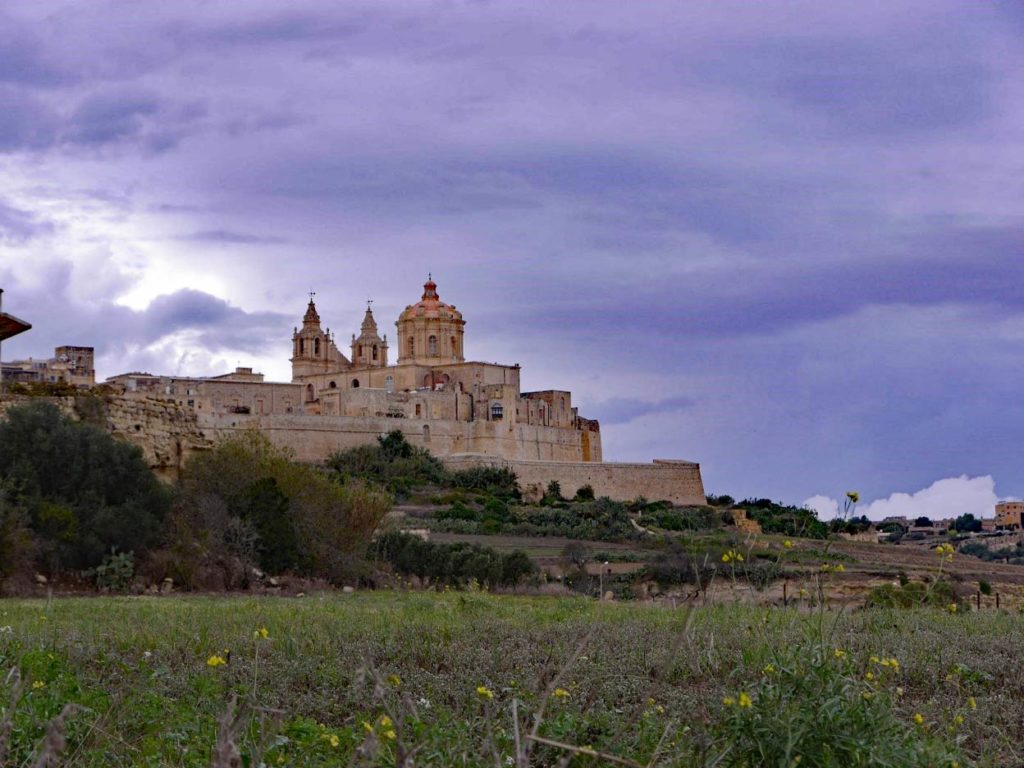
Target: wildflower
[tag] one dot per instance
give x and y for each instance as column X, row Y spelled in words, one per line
column 876, row 660
column 215, row 661
column 484, row 692
column 389, row 734
column 367, row 727
column 659, row 709
column 919, row 718
column 769, row 669
column 424, row 702
column 958, row 720
column 394, row 680
column 745, row 700
column 385, row 721
column 853, row 496
column 952, row 608
column 787, row 544
column 561, row 693
column 334, row 740
column 869, row 676
column 839, row 653
column 899, row 690
column 972, row 703
column 728, row 701
column 867, row 695
column 840, row 568
column 38, row 684
column 261, row 634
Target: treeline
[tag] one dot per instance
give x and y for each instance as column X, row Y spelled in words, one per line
column 458, row 564
column 74, row 500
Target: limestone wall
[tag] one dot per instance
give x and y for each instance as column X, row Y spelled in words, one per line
column 315, row 437
column 166, row 433
column 676, row 481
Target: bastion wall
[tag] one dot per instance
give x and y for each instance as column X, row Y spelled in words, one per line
column 676, row 481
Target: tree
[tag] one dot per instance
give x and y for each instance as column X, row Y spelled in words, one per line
column 967, row 523
column 85, row 492
column 923, row 522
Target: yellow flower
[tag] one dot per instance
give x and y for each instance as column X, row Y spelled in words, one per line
column 334, row 740
column 869, row 676
column 385, row 721
column 853, row 496
column 367, row 727
column 389, row 734
column 769, row 669
column 876, row 660
column 787, row 544
column 972, row 703
column 728, row 701
column 38, row 684
column 394, row 680
column 952, row 608
column 561, row 693
column 840, row 568
column 261, row 634
column 867, row 695
column 918, row 718
column 839, row 653
column 899, row 690
column 484, row 692
column 215, row 661
column 728, row 556
column 958, row 720
column 745, row 701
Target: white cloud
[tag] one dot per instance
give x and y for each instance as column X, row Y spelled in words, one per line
column 950, row 497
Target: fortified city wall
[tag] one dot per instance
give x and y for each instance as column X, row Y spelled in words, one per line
column 169, row 434
column 676, row 481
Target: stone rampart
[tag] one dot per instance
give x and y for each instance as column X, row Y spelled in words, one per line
column 676, row 481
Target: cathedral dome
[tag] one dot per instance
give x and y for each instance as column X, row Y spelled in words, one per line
column 430, row 305
column 430, row 331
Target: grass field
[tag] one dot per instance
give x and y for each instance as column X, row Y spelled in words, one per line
column 363, row 677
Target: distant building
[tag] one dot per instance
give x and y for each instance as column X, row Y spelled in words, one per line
column 1009, row 514
column 69, row 365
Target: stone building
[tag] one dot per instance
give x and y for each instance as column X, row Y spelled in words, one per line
column 464, row 411
column 69, row 365
column 1009, row 515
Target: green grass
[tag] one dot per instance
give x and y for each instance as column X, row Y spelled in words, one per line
column 644, row 673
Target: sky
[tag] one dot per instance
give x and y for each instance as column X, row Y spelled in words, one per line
column 782, row 239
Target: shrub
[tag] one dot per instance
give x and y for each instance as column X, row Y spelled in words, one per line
column 786, row 520
column 913, row 594
column 115, row 573
column 85, row 492
column 247, row 498
column 585, row 493
column 456, row 564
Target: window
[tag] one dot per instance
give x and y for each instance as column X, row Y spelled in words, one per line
column 316, row 347
column 432, row 346
column 426, row 433
column 333, row 385
column 355, row 383
column 412, row 346
column 497, row 411
column 418, row 410
column 302, row 346
column 310, row 393
column 374, row 351
column 359, row 350
column 454, row 348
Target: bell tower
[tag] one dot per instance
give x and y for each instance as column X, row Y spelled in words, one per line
column 313, row 350
column 369, row 350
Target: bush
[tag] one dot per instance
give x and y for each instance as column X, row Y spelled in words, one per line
column 584, row 493
column 456, row 564
column 786, row 520
column 85, row 492
column 248, row 500
column 115, row 573
column 913, row 594
column 685, row 519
